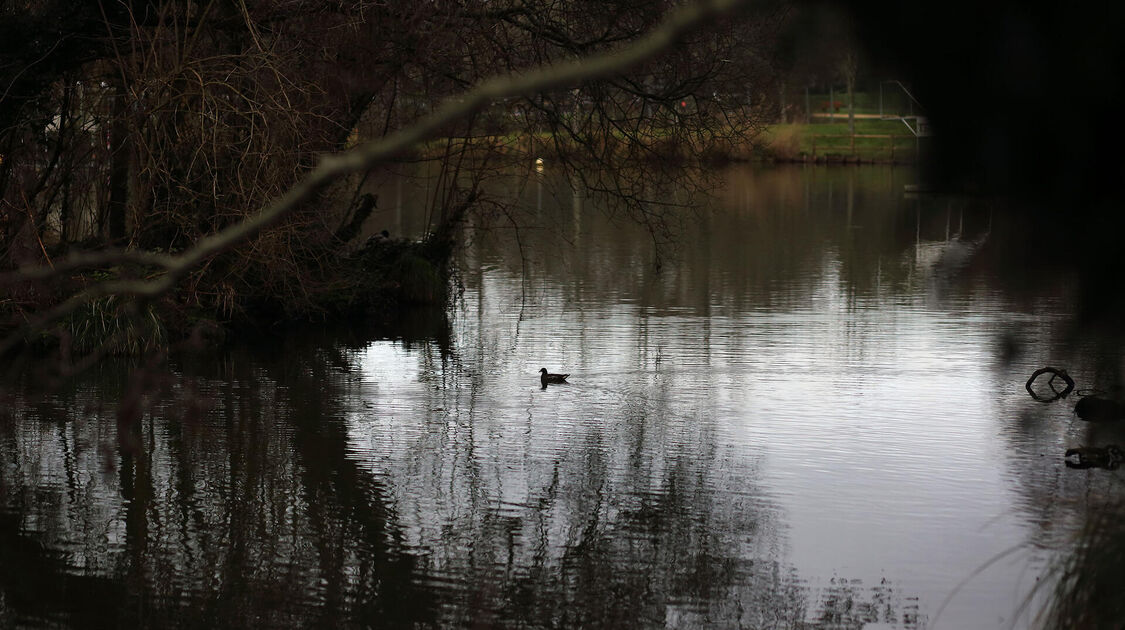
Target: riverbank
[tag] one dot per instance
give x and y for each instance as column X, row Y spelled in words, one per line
column 310, row 274
column 874, row 142
column 372, row 283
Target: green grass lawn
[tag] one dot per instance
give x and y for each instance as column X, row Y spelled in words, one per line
column 791, row 141
column 794, row 141
column 865, row 126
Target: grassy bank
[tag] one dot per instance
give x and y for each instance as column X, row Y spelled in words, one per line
column 875, row 141
column 372, row 283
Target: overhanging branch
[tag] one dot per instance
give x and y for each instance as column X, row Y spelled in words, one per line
column 172, row 269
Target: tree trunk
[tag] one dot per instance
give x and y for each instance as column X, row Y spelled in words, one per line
column 781, row 100
column 849, row 68
column 118, row 167
column 851, row 105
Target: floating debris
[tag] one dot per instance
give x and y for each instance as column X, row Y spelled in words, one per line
column 1056, row 393
column 1108, row 457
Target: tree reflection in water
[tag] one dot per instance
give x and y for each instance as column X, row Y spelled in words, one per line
column 423, row 478
column 244, row 504
column 250, row 516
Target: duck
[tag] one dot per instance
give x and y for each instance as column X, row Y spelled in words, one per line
column 546, row 377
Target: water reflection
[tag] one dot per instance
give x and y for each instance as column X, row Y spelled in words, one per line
column 248, row 515
column 811, row 414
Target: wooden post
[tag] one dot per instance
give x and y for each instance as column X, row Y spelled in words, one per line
column 814, row 148
column 853, row 144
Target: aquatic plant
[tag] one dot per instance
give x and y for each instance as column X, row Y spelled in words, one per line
column 114, row 325
column 1090, row 580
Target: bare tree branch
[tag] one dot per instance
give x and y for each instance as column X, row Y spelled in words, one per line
column 173, row 268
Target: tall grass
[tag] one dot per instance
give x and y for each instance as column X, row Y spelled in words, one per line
column 1090, row 592
column 116, row 326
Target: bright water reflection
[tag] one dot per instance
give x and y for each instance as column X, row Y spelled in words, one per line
column 811, row 413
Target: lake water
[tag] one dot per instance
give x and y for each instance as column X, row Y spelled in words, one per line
column 810, row 414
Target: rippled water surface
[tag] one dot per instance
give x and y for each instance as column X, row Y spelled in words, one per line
column 800, row 407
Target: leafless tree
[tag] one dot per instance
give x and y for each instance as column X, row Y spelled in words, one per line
column 206, row 144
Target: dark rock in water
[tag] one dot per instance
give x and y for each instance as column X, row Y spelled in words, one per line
column 1097, row 409
column 1109, row 457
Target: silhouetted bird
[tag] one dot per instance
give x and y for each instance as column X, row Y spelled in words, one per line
column 545, row 378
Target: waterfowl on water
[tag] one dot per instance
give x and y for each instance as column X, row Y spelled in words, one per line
column 546, row 377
